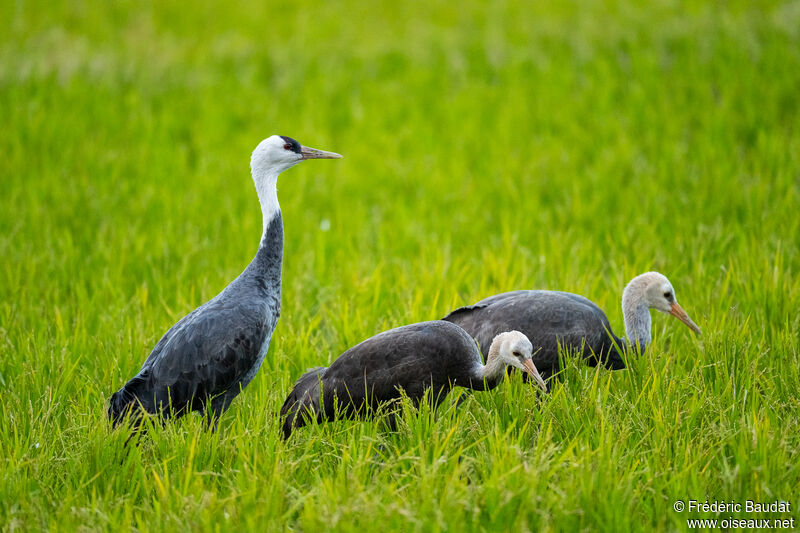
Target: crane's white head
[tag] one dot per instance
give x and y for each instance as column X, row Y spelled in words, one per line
column 275, row 154
column 272, row 156
column 514, row 349
column 655, row 290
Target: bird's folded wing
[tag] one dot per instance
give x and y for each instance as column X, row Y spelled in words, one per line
column 207, row 353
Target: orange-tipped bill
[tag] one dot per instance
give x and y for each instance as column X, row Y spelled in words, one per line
column 678, row 312
column 530, row 368
column 313, row 153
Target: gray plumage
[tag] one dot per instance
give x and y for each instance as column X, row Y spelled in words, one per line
column 211, row 354
column 429, row 356
column 547, row 318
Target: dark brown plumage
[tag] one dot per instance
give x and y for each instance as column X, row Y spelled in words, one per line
column 547, row 318
column 429, row 356
column 551, row 319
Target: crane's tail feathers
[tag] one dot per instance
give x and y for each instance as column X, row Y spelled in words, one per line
column 125, row 403
column 303, row 398
column 456, row 314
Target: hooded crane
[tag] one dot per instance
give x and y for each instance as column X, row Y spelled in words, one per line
column 432, row 356
column 212, row 353
column 553, row 318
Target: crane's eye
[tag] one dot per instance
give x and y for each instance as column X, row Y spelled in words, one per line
column 667, row 295
column 287, row 146
column 517, row 354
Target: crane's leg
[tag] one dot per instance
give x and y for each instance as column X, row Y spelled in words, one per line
column 216, row 409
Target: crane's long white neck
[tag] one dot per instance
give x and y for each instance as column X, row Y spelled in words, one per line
column 494, row 369
column 266, row 181
column 636, row 312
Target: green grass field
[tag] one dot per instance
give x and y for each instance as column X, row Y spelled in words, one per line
column 567, row 146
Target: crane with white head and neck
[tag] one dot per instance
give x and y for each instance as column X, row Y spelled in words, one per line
column 211, row 354
column 414, row 360
column 555, row 320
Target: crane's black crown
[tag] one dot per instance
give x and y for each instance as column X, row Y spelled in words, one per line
column 295, row 144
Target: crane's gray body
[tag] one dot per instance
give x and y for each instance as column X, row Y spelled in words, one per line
column 433, row 355
column 211, row 354
column 550, row 319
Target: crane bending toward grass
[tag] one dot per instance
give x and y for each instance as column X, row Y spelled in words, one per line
column 429, row 356
column 211, row 354
column 551, row 319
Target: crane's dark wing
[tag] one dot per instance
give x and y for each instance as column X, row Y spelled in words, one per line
column 207, row 353
column 464, row 312
column 548, row 319
column 413, row 358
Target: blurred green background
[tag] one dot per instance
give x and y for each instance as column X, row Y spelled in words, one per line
column 488, row 147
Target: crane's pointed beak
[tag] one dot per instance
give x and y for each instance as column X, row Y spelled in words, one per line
column 530, row 368
column 313, row 153
column 678, row 312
